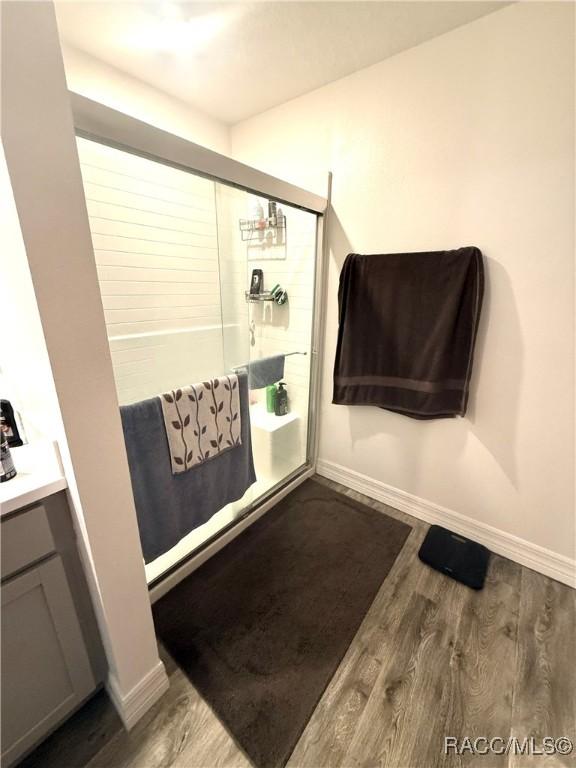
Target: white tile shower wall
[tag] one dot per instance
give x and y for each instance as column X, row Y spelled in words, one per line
column 156, row 248
column 276, row 329
column 288, row 328
column 230, row 205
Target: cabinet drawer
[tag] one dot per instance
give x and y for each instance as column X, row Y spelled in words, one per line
column 26, row 538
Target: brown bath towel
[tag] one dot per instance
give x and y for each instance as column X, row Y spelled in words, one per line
column 407, row 327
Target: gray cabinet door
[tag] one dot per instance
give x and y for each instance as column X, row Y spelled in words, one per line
column 45, row 667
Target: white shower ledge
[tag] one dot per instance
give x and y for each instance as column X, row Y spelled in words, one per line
column 39, row 475
column 269, row 422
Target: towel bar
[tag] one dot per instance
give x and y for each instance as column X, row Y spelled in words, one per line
column 245, row 365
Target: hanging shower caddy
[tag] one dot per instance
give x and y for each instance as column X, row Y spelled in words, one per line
column 259, row 229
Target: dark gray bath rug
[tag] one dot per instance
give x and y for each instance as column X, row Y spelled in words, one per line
column 261, row 627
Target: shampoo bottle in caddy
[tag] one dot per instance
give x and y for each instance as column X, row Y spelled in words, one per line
column 272, row 217
column 281, row 224
column 256, row 282
column 258, row 219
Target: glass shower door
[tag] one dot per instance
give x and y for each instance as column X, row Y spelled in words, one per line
column 276, row 243
column 175, row 253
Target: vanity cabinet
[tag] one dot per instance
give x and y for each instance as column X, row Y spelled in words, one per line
column 51, row 656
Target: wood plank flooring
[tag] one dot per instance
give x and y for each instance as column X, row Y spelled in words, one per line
column 431, row 659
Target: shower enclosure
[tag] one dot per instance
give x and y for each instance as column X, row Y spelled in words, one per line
column 175, row 252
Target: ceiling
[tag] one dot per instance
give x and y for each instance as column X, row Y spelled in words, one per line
column 234, row 60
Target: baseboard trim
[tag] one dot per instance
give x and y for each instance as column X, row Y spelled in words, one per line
column 521, row 551
column 133, row 705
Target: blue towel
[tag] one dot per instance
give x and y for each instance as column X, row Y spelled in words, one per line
column 169, row 506
column 266, row 371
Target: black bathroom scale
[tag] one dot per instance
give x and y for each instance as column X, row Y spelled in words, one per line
column 456, row 556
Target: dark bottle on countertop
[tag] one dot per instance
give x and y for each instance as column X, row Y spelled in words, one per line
column 281, row 402
column 11, row 424
column 7, row 470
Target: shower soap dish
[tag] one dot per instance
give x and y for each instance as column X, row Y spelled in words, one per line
column 264, row 296
column 279, row 296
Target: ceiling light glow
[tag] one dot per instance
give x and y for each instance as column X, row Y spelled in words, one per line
column 173, row 35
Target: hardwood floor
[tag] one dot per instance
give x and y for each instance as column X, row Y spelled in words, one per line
column 431, row 659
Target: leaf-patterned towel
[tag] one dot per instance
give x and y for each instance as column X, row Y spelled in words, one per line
column 201, row 421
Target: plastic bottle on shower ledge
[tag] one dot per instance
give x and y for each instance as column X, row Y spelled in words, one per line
column 271, row 398
column 281, row 405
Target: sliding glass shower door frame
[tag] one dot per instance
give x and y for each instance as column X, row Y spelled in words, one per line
column 99, row 123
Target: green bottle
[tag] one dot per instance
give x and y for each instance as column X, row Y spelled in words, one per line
column 271, row 398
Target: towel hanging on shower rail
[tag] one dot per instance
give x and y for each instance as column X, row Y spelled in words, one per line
column 265, row 371
column 169, row 506
column 201, row 421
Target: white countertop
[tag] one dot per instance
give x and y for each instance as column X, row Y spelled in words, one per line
column 39, row 475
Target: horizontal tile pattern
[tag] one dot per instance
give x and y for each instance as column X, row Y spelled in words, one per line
column 156, row 247
column 151, row 363
column 276, row 329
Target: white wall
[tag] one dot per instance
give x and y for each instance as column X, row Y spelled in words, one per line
column 100, row 82
column 25, row 373
column 466, row 139
column 47, row 190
